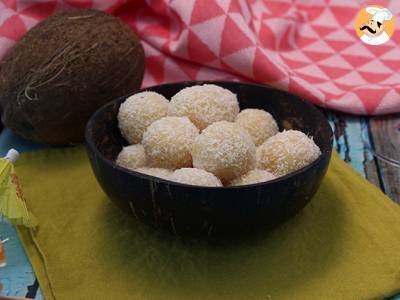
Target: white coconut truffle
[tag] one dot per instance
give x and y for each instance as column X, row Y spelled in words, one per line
column 132, row 157
column 224, row 149
column 287, row 152
column 138, row 112
column 258, row 123
column 168, row 142
column 204, row 104
column 195, row 176
column 156, row 172
column 253, row 176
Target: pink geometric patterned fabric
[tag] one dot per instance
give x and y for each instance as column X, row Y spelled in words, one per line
column 307, row 47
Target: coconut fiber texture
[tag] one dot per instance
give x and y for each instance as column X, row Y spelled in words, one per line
column 65, row 68
column 345, row 244
column 309, row 48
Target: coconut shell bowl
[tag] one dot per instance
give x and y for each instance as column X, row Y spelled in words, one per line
column 211, row 211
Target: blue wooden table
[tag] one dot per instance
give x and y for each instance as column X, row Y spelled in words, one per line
column 370, row 145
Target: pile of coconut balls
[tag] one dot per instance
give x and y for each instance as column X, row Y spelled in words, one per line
column 202, row 138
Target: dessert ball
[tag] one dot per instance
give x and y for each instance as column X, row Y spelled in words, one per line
column 132, row 157
column 138, row 112
column 258, row 123
column 287, row 152
column 253, row 176
column 204, row 104
column 168, row 142
column 224, row 149
column 156, row 172
column 195, row 176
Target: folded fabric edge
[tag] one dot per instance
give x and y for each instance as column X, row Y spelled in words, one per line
column 38, row 261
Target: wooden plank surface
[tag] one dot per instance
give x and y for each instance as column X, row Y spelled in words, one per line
column 371, row 168
column 352, row 141
column 354, row 136
column 385, row 136
column 371, row 145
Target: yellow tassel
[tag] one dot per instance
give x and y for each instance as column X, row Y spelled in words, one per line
column 12, row 202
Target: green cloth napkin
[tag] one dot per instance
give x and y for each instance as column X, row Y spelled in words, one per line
column 344, row 245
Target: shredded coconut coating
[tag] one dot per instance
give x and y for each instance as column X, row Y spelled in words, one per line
column 204, row 104
column 287, row 152
column 195, row 176
column 132, row 157
column 253, row 176
column 138, row 112
column 224, row 149
column 168, row 142
column 258, row 123
column 156, row 172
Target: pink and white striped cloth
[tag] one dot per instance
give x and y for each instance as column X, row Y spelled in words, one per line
column 308, row 47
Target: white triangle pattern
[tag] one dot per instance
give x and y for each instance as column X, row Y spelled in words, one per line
column 326, row 19
column 375, row 66
column 320, row 46
column 312, row 70
column 185, row 12
column 341, row 35
column 390, row 99
column 224, row 4
column 336, row 60
column 306, row 30
column 297, row 56
column 330, row 87
column 240, row 22
column 358, row 49
column 205, row 31
column 349, row 99
column 28, row 21
column 242, row 61
column 352, row 79
column 5, row 13
column 301, row 30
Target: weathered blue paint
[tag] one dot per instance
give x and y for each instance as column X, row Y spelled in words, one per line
column 355, row 145
column 9, row 140
column 18, row 273
column 354, row 142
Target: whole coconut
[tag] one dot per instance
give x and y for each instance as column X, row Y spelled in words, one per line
column 63, row 69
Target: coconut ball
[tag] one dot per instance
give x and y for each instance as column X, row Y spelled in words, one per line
column 156, row 172
column 258, row 123
column 138, row 112
column 224, row 149
column 204, row 104
column 287, row 152
column 195, row 176
column 168, row 142
column 253, row 176
column 132, row 157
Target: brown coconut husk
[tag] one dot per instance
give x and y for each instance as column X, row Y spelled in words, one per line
column 63, row 69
